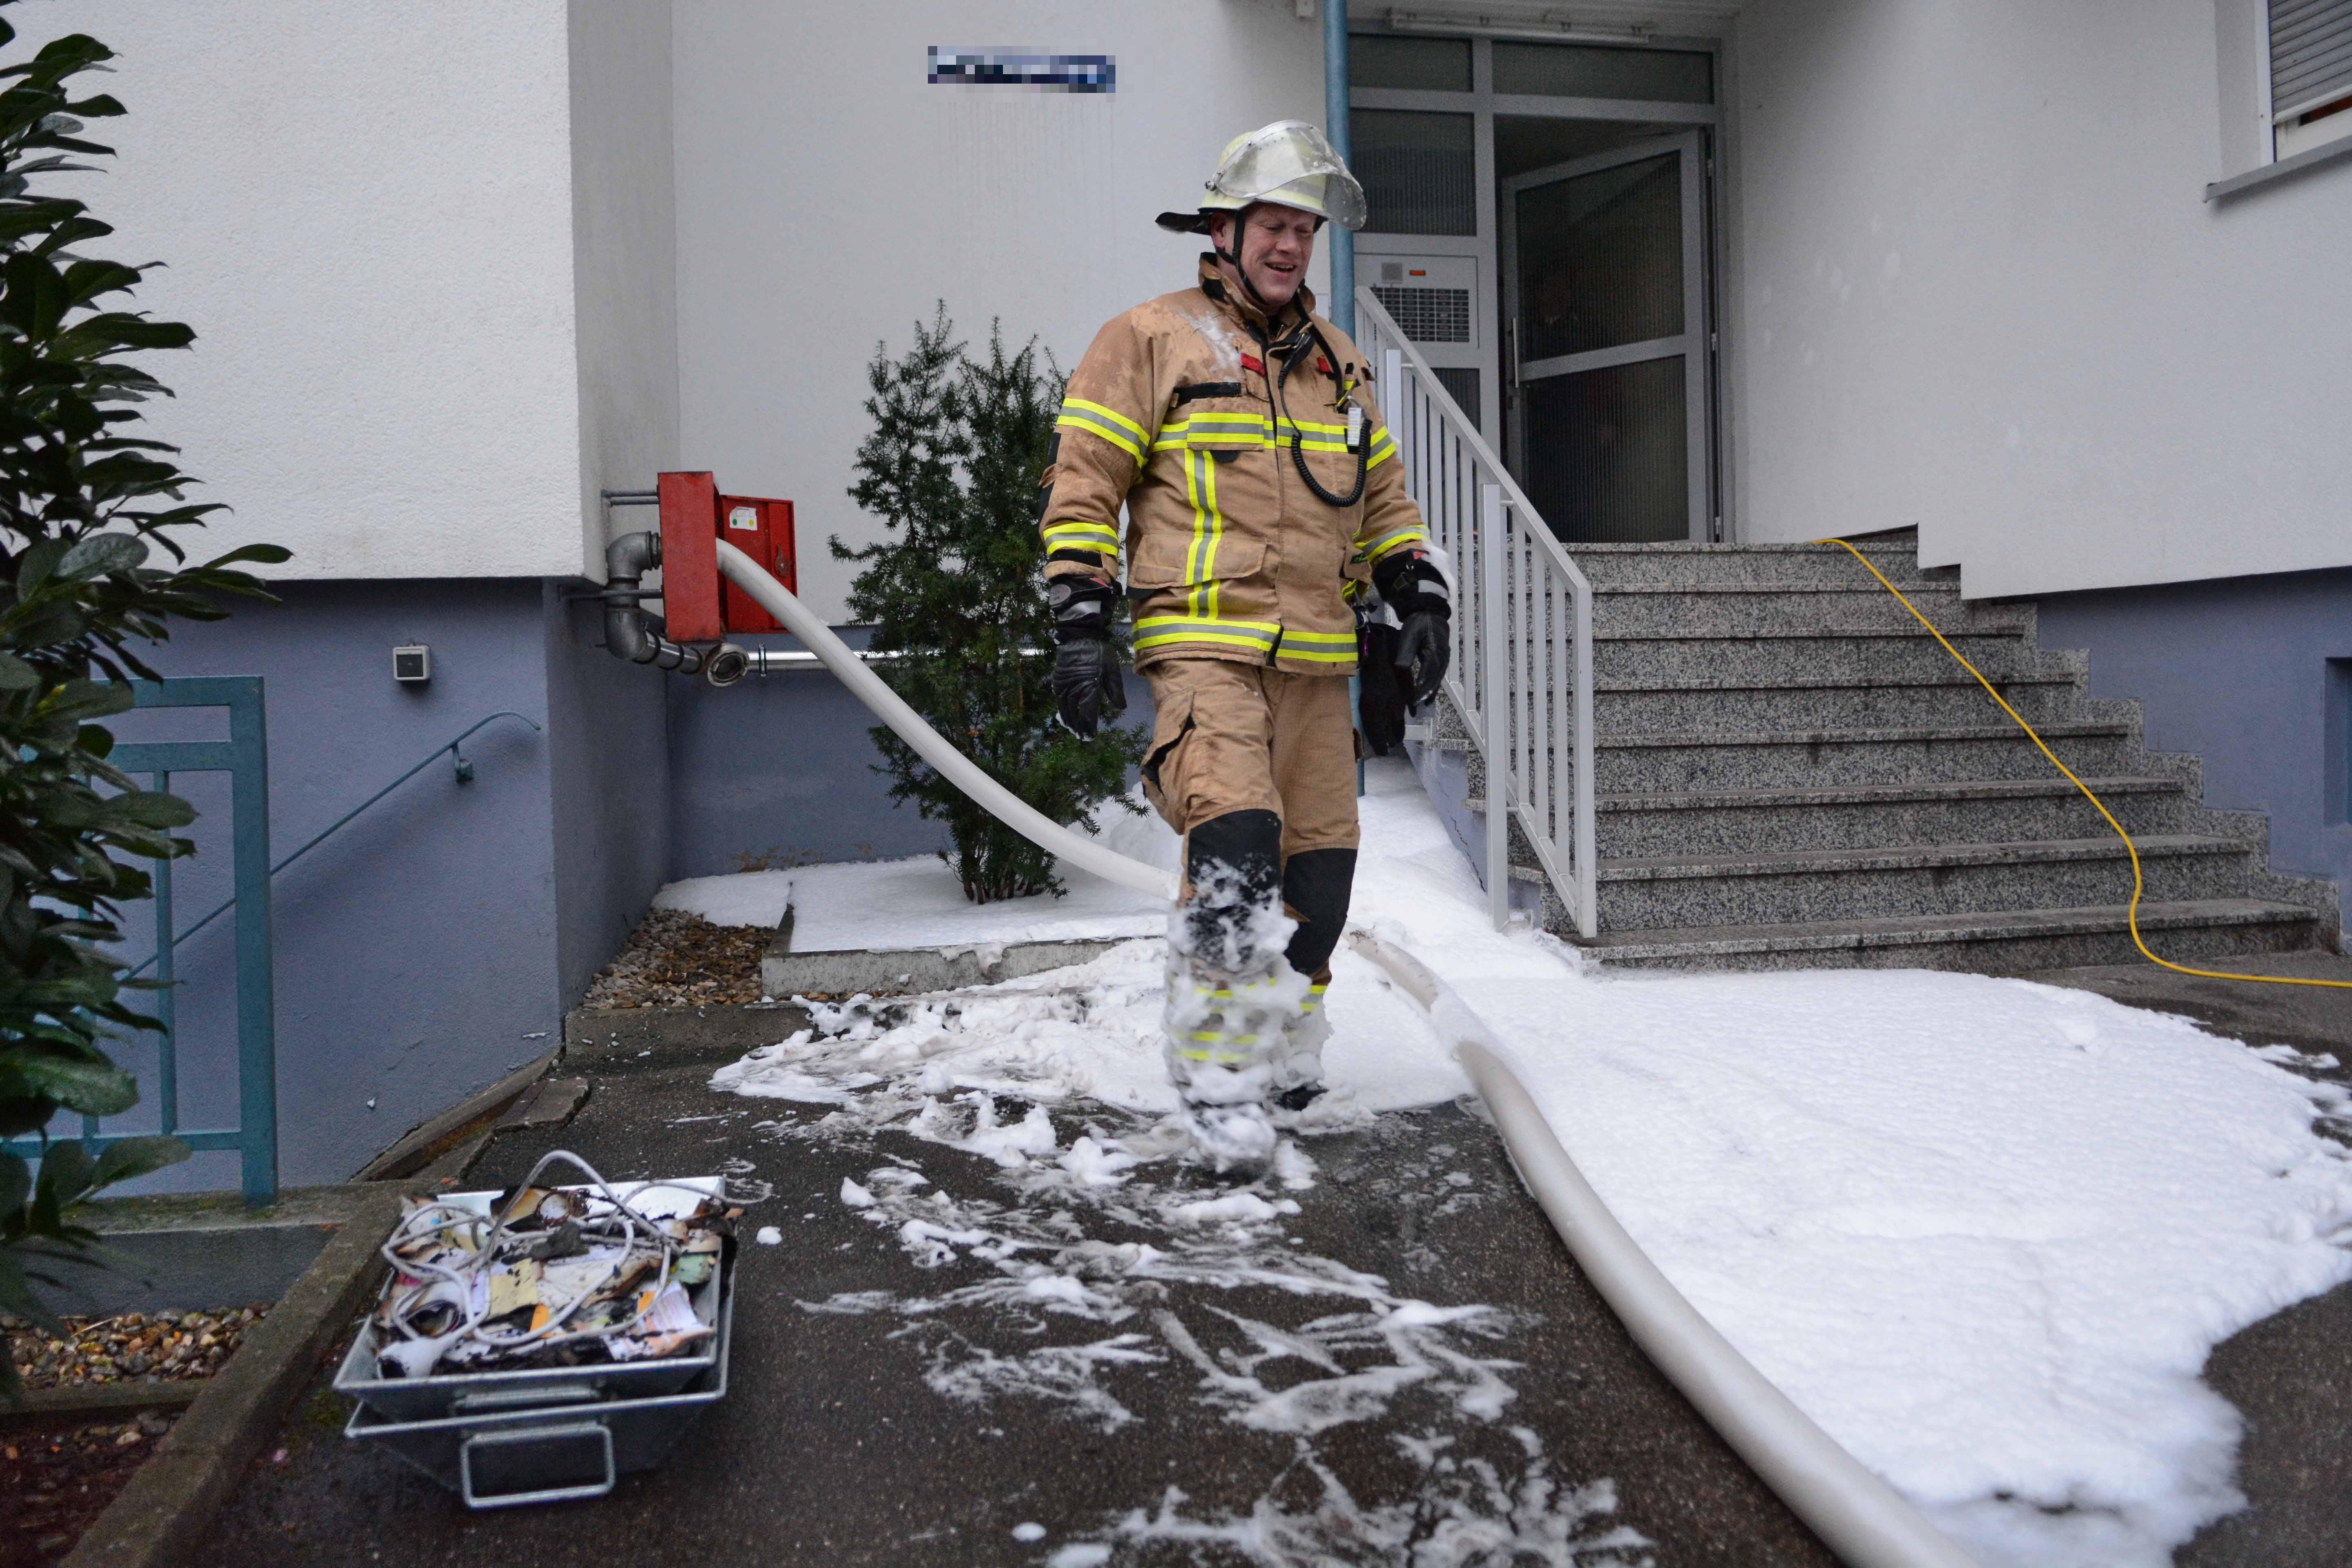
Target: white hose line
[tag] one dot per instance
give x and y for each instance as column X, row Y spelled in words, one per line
column 958, row 769
column 1860, row 1517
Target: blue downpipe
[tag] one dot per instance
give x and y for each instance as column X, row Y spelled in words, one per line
column 1342, row 304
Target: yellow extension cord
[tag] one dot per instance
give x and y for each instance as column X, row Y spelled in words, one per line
column 2129, row 848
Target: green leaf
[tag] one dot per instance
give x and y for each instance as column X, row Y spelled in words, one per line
column 65, row 1168
column 92, row 1088
column 15, row 676
column 15, row 1184
column 133, row 1157
column 268, row 555
column 95, row 555
column 37, row 563
column 153, row 809
column 89, row 699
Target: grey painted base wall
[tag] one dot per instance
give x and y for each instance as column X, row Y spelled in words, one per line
column 780, row 770
column 415, row 950
column 2254, row 675
column 435, row 944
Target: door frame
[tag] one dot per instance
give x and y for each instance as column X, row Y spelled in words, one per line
column 1694, row 344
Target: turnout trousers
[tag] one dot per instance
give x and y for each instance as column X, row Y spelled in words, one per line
column 1231, row 736
column 1255, row 767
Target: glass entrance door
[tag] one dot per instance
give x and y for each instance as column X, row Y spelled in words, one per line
column 1605, row 300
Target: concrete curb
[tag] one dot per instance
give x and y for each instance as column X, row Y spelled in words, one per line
column 428, row 1141
column 600, row 1041
column 847, row 971
column 96, row 1401
column 161, row 1517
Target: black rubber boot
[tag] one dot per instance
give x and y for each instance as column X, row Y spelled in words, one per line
column 1314, row 888
column 1235, row 865
column 1227, row 1008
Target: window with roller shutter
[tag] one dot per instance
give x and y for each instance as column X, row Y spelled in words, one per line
column 2311, row 74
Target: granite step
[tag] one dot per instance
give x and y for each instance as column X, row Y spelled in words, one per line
column 1939, row 702
column 2193, row 932
column 1734, row 759
column 1878, row 816
column 1802, row 656
column 1694, row 566
column 1781, row 611
column 1665, row 892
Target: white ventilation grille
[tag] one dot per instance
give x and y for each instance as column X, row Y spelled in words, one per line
column 1427, row 315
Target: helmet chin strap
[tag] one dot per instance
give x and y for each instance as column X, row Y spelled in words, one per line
column 1233, row 258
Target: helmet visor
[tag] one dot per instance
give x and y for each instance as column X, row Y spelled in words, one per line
column 1291, row 163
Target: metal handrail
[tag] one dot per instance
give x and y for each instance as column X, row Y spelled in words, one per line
column 1522, row 670
column 465, row 771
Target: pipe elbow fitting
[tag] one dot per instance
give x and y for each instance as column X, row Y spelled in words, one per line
column 626, row 560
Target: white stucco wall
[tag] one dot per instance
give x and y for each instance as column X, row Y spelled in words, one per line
column 624, row 239
column 1974, row 286
column 366, row 207
column 827, row 195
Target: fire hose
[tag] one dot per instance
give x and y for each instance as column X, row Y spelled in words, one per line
column 1856, row 1512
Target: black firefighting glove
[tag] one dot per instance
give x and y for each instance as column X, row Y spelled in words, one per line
column 1086, row 683
column 1412, row 585
column 1380, row 708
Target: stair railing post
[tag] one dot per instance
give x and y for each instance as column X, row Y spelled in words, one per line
column 1493, row 631
column 1588, row 882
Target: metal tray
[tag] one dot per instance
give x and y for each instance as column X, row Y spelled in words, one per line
column 408, row 1399
column 574, row 1442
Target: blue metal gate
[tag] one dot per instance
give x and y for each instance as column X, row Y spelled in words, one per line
column 245, row 757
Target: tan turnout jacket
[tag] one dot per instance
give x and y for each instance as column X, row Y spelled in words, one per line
column 1228, row 554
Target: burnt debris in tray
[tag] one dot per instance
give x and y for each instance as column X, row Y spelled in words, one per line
column 552, row 1276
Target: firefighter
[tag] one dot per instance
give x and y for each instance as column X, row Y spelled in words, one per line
column 1239, row 431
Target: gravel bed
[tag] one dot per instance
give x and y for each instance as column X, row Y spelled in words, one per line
column 56, row 1480
column 677, row 959
column 165, row 1346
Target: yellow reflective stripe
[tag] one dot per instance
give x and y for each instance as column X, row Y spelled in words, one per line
column 1096, row 426
column 1229, row 429
column 1154, row 631
column 1216, row 533
column 1235, row 640
column 1309, row 656
column 1112, row 415
column 1378, row 459
column 1296, row 636
column 1058, row 533
column 1219, row 429
column 1403, row 534
column 1198, row 472
column 1266, row 630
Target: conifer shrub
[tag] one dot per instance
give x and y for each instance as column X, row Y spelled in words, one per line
column 952, row 468
column 86, row 505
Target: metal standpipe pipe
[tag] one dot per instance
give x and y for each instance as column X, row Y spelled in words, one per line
column 1860, row 1517
column 629, row 632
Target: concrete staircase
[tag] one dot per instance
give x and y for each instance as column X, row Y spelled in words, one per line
column 1791, row 774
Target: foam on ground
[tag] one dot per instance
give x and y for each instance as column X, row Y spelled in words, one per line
column 1985, row 1232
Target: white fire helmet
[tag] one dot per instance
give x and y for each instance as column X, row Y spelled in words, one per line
column 1288, row 164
